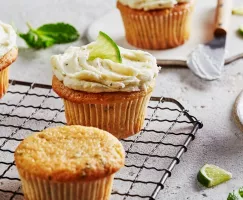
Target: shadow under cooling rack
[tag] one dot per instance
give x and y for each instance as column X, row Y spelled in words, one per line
column 151, row 155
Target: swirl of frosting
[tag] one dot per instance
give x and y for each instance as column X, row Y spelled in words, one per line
column 151, row 4
column 7, row 38
column 136, row 72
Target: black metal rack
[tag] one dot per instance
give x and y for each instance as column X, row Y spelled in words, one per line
column 151, row 155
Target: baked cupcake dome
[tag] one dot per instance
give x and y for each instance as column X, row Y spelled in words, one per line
column 69, row 162
column 157, row 28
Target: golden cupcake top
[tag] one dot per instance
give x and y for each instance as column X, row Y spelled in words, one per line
column 70, row 153
column 102, row 66
column 7, row 38
column 151, row 4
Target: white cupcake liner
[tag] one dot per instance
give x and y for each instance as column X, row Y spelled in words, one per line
column 3, row 81
column 38, row 189
column 155, row 30
column 122, row 119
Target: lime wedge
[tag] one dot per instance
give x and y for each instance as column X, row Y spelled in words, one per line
column 105, row 48
column 211, row 175
column 237, row 11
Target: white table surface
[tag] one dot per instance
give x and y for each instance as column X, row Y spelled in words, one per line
column 217, row 143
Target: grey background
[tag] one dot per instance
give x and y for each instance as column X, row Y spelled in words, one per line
column 219, row 142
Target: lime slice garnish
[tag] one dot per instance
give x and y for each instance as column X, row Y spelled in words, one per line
column 237, row 11
column 105, row 48
column 211, row 175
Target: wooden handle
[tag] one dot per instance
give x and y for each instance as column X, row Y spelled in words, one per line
column 223, row 14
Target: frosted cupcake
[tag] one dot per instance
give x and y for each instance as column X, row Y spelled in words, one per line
column 105, row 86
column 69, row 163
column 156, row 24
column 8, row 54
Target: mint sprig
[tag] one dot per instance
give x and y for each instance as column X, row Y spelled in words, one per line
column 236, row 194
column 232, row 196
column 49, row 34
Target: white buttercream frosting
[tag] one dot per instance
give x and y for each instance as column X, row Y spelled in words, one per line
column 7, row 38
column 203, row 64
column 151, row 4
column 239, row 108
column 137, row 71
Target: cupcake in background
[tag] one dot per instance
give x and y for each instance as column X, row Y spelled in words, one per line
column 69, row 163
column 105, row 86
column 8, row 54
column 156, row 24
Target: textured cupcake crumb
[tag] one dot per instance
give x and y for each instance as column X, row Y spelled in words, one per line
column 70, row 153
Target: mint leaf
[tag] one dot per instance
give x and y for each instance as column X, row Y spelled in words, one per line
column 60, row 32
column 49, row 34
column 36, row 41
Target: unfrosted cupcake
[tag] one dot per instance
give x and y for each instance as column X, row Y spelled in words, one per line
column 105, row 86
column 68, row 163
column 8, row 54
column 156, row 24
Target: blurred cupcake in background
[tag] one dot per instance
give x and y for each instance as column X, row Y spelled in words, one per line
column 156, row 24
column 8, row 54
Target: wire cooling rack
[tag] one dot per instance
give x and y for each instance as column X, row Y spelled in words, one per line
column 151, row 155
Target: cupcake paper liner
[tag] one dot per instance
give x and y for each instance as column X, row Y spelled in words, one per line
column 3, row 81
column 122, row 119
column 155, row 30
column 37, row 189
